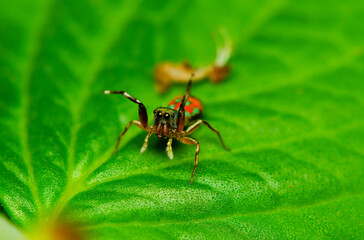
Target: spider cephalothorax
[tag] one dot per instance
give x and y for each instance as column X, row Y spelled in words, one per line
column 178, row 120
column 164, row 120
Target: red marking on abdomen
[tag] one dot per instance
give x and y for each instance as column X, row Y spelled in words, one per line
column 194, row 103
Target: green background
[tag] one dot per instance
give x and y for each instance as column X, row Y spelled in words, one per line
column 292, row 112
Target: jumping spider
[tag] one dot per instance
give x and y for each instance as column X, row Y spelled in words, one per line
column 178, row 120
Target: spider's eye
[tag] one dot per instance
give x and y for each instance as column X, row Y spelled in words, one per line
column 172, row 115
column 159, row 114
column 166, row 116
column 154, row 111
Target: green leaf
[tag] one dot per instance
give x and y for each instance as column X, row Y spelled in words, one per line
column 292, row 112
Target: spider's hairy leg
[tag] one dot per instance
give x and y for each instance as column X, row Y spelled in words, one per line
column 135, row 122
column 145, row 145
column 198, row 123
column 192, row 141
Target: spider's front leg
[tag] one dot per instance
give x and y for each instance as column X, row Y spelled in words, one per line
column 143, row 117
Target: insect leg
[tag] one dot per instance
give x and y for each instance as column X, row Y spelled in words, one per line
column 198, row 123
column 169, row 148
column 192, row 141
column 143, row 116
column 145, row 145
column 181, row 109
column 135, row 122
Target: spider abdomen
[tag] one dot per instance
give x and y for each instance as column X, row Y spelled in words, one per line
column 193, row 108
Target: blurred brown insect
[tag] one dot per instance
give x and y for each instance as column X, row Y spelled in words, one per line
column 167, row 73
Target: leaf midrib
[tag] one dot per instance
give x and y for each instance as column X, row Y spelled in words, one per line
column 119, row 25
column 34, row 49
